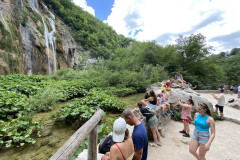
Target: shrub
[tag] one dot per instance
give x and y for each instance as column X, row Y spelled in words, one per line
column 45, row 99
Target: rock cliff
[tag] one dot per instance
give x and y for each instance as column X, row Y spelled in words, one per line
column 33, row 40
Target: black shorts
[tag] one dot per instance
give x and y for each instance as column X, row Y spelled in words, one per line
column 220, row 108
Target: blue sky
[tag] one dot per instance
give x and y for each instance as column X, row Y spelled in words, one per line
column 102, row 8
column 163, row 21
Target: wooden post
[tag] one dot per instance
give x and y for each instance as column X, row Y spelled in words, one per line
column 92, row 144
column 68, row 149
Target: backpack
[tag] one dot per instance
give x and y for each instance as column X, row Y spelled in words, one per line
column 105, row 144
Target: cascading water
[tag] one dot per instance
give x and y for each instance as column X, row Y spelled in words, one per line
column 3, row 21
column 49, row 36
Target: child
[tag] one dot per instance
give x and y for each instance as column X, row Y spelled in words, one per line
column 186, row 115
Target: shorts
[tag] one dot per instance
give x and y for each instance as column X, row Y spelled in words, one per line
column 220, row 108
column 231, row 89
column 238, row 92
column 185, row 120
column 152, row 106
column 152, row 122
column 201, row 136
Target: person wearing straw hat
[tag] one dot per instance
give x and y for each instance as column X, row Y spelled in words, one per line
column 123, row 148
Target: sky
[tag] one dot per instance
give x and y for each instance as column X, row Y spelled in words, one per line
column 164, row 20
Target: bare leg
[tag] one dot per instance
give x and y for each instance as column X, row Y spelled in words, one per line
column 186, row 127
column 216, row 110
column 202, row 152
column 221, row 115
column 158, row 134
column 193, row 146
column 154, row 135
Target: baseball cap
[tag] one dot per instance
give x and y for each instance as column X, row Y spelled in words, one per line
column 119, row 128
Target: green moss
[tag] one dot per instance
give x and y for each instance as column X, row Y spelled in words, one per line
column 41, row 29
column 7, row 41
column 13, row 63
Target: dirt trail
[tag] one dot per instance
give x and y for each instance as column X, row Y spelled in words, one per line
column 226, row 145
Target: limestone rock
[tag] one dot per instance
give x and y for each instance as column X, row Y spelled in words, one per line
column 235, row 104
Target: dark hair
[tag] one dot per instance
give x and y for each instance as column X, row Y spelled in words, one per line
column 205, row 107
column 152, row 94
column 126, row 135
column 146, row 96
column 221, row 90
column 139, row 104
column 191, row 101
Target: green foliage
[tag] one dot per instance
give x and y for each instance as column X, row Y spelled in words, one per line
column 82, row 109
column 82, row 61
column 97, row 37
column 11, row 105
column 45, row 99
column 118, row 92
column 66, row 74
column 177, row 116
column 215, row 115
column 24, row 16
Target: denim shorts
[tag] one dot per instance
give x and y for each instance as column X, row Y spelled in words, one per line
column 152, row 106
column 152, row 122
column 201, row 136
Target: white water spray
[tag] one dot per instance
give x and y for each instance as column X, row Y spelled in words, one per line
column 50, row 39
column 3, row 21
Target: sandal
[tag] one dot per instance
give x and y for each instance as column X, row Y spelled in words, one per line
column 153, row 144
column 159, row 143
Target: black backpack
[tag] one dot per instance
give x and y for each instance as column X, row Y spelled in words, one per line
column 105, row 144
column 230, row 100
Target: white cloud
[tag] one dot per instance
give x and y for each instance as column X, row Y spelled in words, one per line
column 172, row 17
column 84, row 6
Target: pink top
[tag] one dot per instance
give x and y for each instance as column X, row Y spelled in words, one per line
column 186, row 113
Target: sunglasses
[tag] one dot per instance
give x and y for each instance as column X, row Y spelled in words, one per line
column 202, row 104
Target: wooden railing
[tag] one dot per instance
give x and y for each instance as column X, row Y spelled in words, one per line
column 72, row 144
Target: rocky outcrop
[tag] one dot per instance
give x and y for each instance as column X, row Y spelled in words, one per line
column 184, row 93
column 234, row 104
column 40, row 42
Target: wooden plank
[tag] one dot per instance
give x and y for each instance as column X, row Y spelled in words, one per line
column 67, row 150
column 92, row 144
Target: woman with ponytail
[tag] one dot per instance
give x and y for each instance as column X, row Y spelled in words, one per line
column 186, row 115
column 201, row 137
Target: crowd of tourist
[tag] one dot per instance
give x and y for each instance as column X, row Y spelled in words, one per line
column 128, row 147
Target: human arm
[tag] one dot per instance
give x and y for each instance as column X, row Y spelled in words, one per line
column 138, row 154
column 212, row 129
column 214, row 96
column 186, row 106
column 106, row 156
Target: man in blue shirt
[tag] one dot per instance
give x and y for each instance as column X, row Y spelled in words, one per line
column 139, row 136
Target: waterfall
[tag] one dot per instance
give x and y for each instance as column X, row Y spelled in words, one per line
column 3, row 21
column 50, row 39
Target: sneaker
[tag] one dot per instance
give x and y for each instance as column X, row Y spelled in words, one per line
column 183, row 131
column 164, row 115
column 159, row 143
column 153, row 144
column 186, row 135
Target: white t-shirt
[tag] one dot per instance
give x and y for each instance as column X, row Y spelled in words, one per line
column 238, row 88
column 221, row 99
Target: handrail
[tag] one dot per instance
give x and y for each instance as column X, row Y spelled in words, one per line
column 68, row 149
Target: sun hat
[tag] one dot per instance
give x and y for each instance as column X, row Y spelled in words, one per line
column 119, row 128
column 160, row 94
